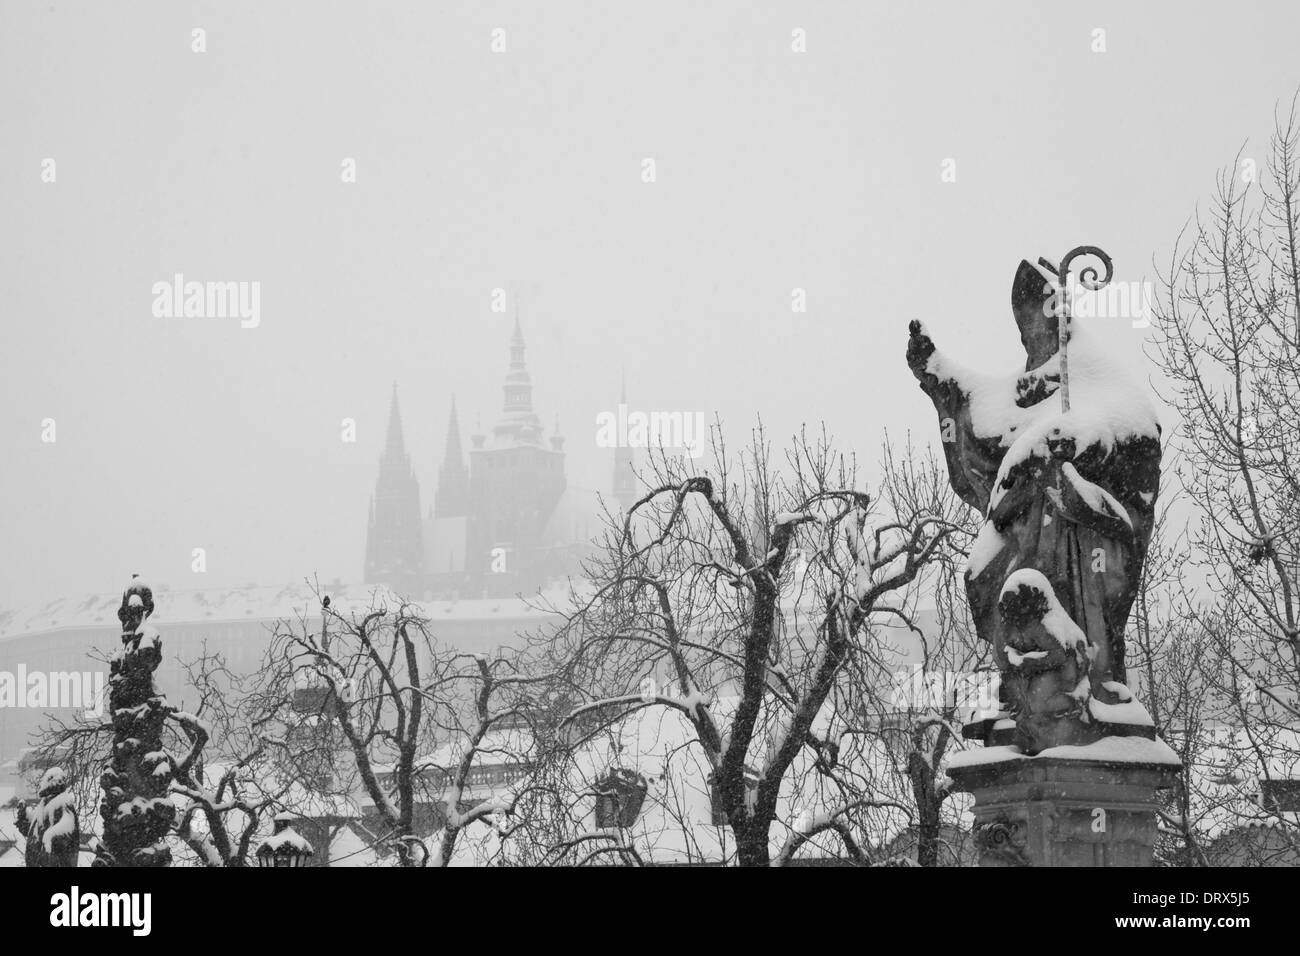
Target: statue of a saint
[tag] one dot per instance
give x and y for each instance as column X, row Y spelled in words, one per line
column 1067, row 494
column 52, row 831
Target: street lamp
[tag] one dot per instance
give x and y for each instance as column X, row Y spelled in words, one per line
column 284, row 847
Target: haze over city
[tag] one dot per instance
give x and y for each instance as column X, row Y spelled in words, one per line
column 523, row 171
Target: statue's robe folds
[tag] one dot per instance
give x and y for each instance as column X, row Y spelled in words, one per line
column 1083, row 521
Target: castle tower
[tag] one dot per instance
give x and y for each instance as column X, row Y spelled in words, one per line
column 451, row 499
column 394, row 554
column 518, row 423
column 516, row 481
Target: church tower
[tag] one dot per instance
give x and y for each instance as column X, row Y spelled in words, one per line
column 516, row 480
column 394, row 553
column 451, row 499
column 518, row 424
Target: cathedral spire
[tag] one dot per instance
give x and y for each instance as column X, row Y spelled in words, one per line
column 394, row 549
column 451, row 500
column 394, row 444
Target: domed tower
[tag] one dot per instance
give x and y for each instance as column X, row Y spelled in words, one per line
column 518, row 423
column 516, row 481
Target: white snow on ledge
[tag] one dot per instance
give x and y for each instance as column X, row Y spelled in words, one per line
column 1109, row 749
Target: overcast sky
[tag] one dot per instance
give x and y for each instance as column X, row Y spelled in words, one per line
column 523, row 170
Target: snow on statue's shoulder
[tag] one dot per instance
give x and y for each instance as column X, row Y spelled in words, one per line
column 1109, row 404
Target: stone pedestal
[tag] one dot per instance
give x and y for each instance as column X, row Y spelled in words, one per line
column 1068, row 806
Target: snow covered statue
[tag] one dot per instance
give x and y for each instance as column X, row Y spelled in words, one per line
column 1063, row 460
column 136, row 807
column 52, row 832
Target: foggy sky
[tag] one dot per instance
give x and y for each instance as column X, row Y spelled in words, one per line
column 522, row 170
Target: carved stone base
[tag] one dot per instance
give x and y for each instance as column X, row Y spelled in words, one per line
column 1068, row 806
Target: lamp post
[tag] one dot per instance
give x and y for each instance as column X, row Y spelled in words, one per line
column 285, row 847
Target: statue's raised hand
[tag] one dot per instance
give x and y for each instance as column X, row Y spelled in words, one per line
column 919, row 348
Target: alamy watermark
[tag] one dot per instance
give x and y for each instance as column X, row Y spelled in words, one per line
column 179, row 299
column 666, row 430
column 53, row 690
column 129, row 910
column 917, row 688
column 1134, row 301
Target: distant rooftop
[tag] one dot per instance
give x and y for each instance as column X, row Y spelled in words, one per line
column 251, row 602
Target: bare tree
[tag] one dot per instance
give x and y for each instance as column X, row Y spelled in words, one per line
column 1168, row 656
column 919, row 711
column 765, row 586
column 368, row 699
column 1229, row 343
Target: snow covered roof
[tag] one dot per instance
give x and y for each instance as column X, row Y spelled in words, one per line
column 498, row 746
column 1226, row 775
column 305, row 801
column 351, row 847
column 208, row 605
